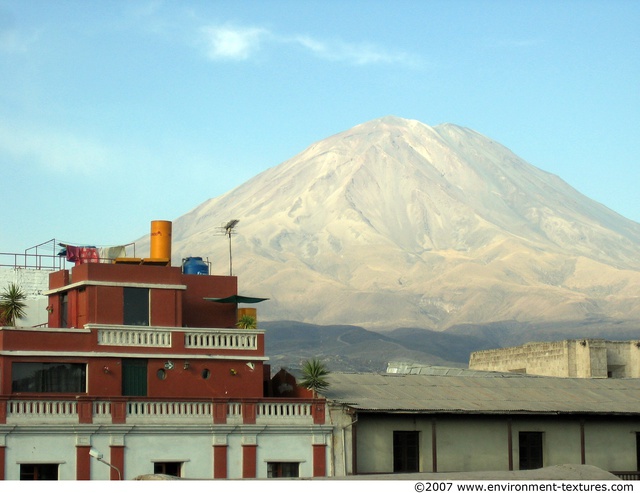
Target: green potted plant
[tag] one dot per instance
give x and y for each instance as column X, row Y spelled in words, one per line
column 12, row 305
column 246, row 322
column 314, row 376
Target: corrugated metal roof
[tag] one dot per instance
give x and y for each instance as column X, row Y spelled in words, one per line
column 417, row 369
column 468, row 394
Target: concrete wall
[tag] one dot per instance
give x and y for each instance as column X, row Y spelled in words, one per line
column 589, row 358
column 33, row 282
column 481, row 443
column 538, row 358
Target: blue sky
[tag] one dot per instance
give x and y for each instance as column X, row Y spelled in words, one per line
column 116, row 113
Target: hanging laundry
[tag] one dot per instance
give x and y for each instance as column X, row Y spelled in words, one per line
column 73, row 253
column 79, row 254
column 88, row 255
column 111, row 253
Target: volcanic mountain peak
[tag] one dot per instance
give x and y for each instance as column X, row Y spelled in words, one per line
column 394, row 222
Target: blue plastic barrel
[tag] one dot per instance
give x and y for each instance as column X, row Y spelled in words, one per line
column 195, row 265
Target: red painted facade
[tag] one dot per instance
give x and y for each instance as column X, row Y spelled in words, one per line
column 184, row 349
column 95, row 295
column 94, row 298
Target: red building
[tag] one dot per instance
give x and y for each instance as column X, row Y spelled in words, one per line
column 143, row 363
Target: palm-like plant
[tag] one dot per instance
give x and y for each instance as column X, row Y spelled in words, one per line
column 12, row 305
column 246, row 322
column 314, row 373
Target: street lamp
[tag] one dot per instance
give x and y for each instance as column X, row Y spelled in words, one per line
column 99, row 457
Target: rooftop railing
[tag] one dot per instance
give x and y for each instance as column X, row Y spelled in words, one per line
column 34, row 258
column 45, row 256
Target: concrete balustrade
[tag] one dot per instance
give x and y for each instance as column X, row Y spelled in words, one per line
column 238, row 339
column 221, row 339
column 140, row 411
column 140, row 338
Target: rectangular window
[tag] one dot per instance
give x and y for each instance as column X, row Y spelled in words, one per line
column 168, row 468
column 406, row 451
column 637, row 451
column 68, row 378
column 43, row 472
column 530, row 446
column 134, row 377
column 283, row 469
column 136, row 306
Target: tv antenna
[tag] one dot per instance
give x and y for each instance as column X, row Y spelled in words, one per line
column 228, row 230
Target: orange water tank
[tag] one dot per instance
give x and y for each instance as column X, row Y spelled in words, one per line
column 161, row 239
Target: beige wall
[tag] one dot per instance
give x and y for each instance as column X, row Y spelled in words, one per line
column 471, row 445
column 589, row 358
column 481, row 443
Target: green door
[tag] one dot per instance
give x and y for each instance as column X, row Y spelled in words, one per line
column 134, row 377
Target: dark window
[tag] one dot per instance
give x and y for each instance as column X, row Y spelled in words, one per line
column 29, row 472
column 406, row 451
column 638, row 451
column 64, row 310
column 530, row 450
column 134, row 377
column 283, row 469
column 49, row 377
column 136, row 306
column 168, row 468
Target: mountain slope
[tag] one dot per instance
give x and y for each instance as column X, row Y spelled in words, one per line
column 394, row 223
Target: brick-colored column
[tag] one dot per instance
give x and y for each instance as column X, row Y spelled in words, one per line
column 85, row 411
column 220, row 413
column 2, row 463
column 220, row 461
column 249, row 413
column 83, row 463
column 319, row 460
column 249, row 460
column 118, row 411
column 318, row 411
column 117, row 460
column 3, row 410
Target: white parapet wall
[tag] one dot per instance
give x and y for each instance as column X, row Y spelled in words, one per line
column 33, row 282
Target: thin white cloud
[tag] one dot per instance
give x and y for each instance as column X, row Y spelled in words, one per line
column 229, row 42
column 56, row 151
column 356, row 53
column 232, row 43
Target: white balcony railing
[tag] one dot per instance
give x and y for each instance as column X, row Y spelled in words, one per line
column 162, row 337
column 163, row 411
column 133, row 337
column 221, row 339
column 45, row 411
column 276, row 412
column 42, row 411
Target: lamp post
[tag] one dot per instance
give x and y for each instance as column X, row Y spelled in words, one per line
column 99, row 457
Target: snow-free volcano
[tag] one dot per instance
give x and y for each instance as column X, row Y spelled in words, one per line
column 395, row 223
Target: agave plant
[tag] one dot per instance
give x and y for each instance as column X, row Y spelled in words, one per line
column 314, row 373
column 12, row 305
column 246, row 322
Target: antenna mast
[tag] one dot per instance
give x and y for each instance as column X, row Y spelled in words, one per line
column 228, row 231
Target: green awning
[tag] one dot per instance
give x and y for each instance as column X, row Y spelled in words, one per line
column 236, row 299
